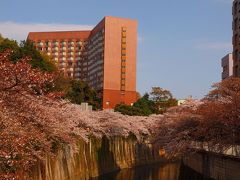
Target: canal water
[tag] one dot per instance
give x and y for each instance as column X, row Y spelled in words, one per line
column 170, row 171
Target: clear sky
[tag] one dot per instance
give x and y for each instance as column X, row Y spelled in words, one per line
column 180, row 46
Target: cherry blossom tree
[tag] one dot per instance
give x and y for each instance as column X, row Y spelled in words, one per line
column 20, row 137
column 213, row 124
column 34, row 123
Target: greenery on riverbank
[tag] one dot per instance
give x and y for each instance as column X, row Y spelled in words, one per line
column 157, row 102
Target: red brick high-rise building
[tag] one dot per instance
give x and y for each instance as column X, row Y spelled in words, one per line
column 236, row 37
column 105, row 57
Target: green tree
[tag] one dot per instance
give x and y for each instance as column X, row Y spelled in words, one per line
column 26, row 48
column 143, row 107
column 163, row 99
column 160, row 94
column 13, row 45
column 77, row 91
column 157, row 103
column 39, row 59
column 129, row 110
column 148, row 106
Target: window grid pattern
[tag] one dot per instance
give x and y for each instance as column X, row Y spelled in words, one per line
column 123, row 58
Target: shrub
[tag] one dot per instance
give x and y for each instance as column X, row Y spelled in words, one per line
column 129, row 110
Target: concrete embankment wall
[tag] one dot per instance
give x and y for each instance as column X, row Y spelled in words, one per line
column 98, row 156
column 211, row 165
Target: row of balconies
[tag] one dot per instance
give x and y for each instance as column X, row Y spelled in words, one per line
column 67, row 59
column 94, row 61
column 64, row 54
column 60, row 43
column 96, row 47
column 96, row 85
column 96, row 43
column 97, row 76
column 98, row 73
column 77, row 56
column 96, row 56
column 64, row 48
column 96, row 38
column 70, row 59
column 69, row 66
column 97, row 35
column 61, row 47
column 94, row 69
column 96, row 51
column 74, row 62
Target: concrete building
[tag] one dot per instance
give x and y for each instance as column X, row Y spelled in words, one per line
column 227, row 66
column 181, row 101
column 236, row 36
column 105, row 57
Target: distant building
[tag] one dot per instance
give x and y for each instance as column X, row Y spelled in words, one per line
column 227, row 66
column 181, row 101
column 105, row 57
column 236, row 36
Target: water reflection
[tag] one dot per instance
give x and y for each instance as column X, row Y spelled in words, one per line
column 170, row 171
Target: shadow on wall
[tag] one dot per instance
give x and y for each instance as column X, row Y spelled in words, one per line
column 97, row 157
column 118, row 153
column 105, row 158
column 187, row 173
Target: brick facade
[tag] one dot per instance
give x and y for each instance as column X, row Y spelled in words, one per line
column 105, row 57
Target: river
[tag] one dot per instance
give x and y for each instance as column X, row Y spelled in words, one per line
column 169, row 171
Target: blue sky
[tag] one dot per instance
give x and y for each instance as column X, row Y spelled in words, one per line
column 180, row 44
